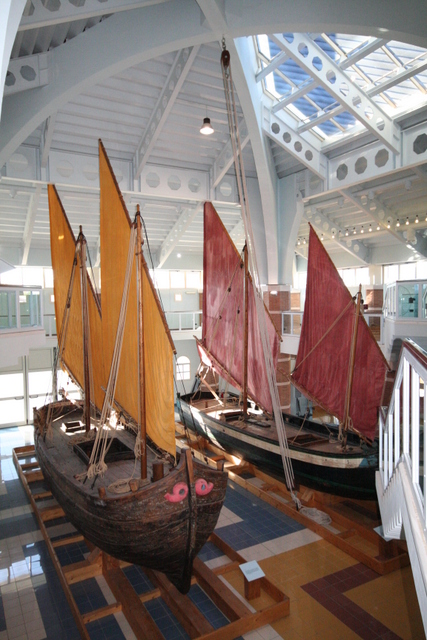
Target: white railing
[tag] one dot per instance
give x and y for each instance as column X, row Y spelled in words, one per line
column 402, row 429
column 401, row 478
column 292, row 321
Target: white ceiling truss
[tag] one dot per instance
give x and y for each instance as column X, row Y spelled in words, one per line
column 347, row 114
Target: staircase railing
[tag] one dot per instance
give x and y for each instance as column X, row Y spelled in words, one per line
column 401, row 479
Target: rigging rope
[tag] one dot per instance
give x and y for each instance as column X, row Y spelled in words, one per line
column 243, row 197
column 100, row 448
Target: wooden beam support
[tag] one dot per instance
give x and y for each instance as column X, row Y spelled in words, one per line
column 136, row 614
column 182, row 607
column 230, row 605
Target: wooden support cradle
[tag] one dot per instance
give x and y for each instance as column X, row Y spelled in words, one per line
column 242, row 617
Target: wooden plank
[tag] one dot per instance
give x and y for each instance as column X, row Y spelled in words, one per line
column 42, row 495
column 224, row 599
column 83, row 570
column 25, row 451
column 33, row 476
column 65, row 541
column 51, row 513
column 30, row 465
column 136, row 614
column 380, row 566
column 254, row 621
column 102, row 612
column 237, row 559
column 73, row 605
column 181, row 606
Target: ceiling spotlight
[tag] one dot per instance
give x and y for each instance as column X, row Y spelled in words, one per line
column 207, row 128
column 416, row 219
column 321, row 237
column 398, row 223
column 378, row 227
column 370, row 228
column 299, row 241
column 354, row 230
column 362, row 229
column 407, row 220
column 304, row 241
column 346, row 232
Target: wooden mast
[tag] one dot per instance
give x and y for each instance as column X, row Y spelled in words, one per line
column 85, row 323
column 141, row 368
column 245, row 334
column 345, row 423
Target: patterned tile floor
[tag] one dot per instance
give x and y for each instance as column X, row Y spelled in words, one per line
column 331, row 595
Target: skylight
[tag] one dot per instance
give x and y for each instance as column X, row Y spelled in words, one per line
column 392, row 75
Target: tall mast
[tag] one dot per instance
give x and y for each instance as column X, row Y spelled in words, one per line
column 85, row 323
column 142, row 413
column 245, row 334
column 345, row 422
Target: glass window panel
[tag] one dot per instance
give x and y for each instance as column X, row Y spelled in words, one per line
column 362, row 276
column 11, row 385
column 408, row 300
column 183, row 368
column 39, row 382
column 160, row 278
column 177, row 279
column 13, row 277
column 193, row 279
column 12, row 412
column 7, row 309
column 407, row 271
column 348, row 276
column 48, row 278
column 424, row 302
column 391, row 273
column 422, row 269
column 32, row 276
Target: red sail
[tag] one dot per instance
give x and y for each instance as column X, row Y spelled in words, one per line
column 223, row 315
column 322, row 365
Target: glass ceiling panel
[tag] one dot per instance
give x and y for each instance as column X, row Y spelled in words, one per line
column 377, row 63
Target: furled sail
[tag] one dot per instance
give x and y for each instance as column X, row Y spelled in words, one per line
column 158, row 348
column 323, row 360
column 63, row 249
column 223, row 314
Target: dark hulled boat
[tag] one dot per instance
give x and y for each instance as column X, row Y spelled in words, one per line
column 111, row 460
column 320, row 458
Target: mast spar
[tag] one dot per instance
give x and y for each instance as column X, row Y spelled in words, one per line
column 81, row 242
column 344, row 425
column 141, row 348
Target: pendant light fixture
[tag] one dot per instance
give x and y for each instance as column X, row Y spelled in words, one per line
column 207, row 129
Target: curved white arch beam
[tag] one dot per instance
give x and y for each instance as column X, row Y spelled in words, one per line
column 113, row 45
column 131, row 37
column 11, row 11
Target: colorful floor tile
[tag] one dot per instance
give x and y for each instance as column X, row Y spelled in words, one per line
column 331, row 595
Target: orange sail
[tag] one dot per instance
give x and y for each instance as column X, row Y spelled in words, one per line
column 63, row 249
column 223, row 315
column 322, row 365
column 158, row 348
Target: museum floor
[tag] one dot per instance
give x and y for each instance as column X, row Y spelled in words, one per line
column 331, row 594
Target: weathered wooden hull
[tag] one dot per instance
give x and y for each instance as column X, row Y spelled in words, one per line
column 145, row 527
column 348, row 473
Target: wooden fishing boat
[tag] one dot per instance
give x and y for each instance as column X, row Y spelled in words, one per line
column 158, row 512
column 324, row 456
